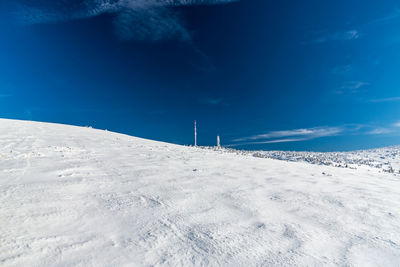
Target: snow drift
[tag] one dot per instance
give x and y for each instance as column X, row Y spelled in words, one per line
column 74, row 196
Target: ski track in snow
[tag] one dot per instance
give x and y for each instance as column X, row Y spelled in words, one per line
column 75, row 196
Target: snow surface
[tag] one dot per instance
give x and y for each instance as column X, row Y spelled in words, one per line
column 76, row 196
column 385, row 159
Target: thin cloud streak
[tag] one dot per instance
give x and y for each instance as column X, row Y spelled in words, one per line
column 298, row 135
column 351, row 87
column 337, row 36
column 269, row 142
column 354, row 85
column 379, row 131
column 396, row 124
column 150, row 20
column 309, row 133
column 383, row 100
column 393, row 16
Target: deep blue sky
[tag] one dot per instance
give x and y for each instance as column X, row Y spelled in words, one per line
column 301, row 75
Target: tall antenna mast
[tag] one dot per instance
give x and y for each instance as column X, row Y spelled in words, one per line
column 195, row 134
column 218, row 142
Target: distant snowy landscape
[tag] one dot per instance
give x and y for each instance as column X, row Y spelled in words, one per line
column 385, row 159
column 77, row 196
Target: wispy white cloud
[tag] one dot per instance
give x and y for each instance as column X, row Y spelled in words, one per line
column 378, row 131
column 305, row 134
column 349, row 35
column 285, row 140
column 396, row 124
column 388, row 99
column 354, row 85
column 321, row 38
column 151, row 20
column 387, row 18
column 300, row 134
column 351, row 87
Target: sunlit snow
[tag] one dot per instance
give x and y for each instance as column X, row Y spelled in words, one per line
column 76, row 196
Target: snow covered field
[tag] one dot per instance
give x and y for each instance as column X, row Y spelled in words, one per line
column 385, row 159
column 74, row 196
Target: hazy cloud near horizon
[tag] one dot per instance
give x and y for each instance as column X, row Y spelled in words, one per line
column 308, row 133
column 150, row 20
column 305, row 134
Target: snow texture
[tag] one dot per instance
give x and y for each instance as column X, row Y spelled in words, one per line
column 76, row 196
column 385, row 159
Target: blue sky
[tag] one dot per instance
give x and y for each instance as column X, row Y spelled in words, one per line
column 298, row 75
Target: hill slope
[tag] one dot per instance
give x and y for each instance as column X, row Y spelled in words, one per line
column 86, row 197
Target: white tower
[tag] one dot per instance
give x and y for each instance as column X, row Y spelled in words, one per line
column 218, row 142
column 195, row 134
